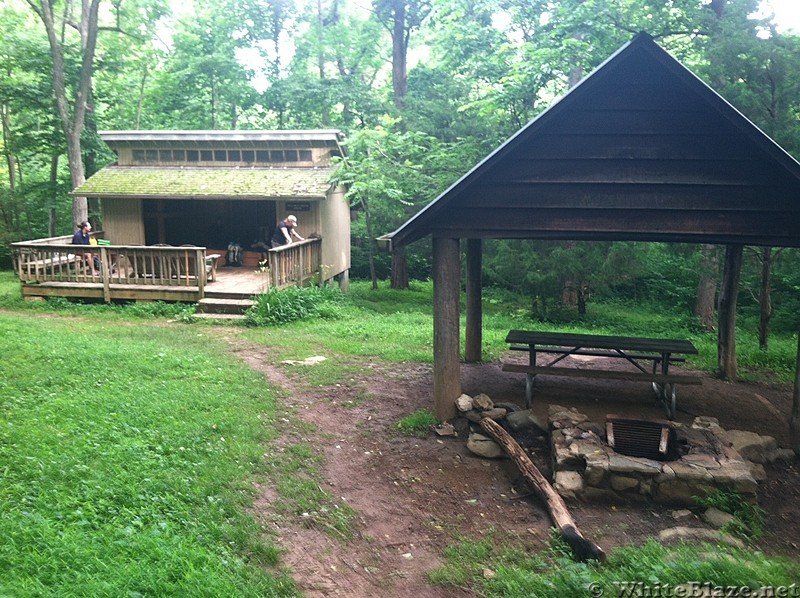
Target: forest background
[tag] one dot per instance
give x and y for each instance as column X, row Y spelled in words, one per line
column 422, row 89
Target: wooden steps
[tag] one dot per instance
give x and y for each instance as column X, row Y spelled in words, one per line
column 221, row 308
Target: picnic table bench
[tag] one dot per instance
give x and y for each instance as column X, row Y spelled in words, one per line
column 661, row 352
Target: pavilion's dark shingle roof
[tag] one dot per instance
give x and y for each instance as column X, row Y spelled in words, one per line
column 207, row 183
column 640, row 150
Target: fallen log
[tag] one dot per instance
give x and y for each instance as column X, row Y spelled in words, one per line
column 582, row 548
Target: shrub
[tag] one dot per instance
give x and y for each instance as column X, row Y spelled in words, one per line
column 295, row 303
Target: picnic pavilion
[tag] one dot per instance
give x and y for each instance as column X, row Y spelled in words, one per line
column 639, row 150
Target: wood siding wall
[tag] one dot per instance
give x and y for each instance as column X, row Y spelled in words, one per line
column 122, row 221
column 335, row 215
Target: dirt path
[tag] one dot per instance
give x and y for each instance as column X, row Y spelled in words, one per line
column 415, row 496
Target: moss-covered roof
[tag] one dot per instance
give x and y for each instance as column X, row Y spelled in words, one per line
column 207, row 183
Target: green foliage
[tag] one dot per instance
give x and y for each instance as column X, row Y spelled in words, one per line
column 552, row 573
column 396, row 173
column 546, row 270
column 418, row 423
column 335, row 69
column 295, row 303
column 749, row 518
column 203, row 84
column 128, row 458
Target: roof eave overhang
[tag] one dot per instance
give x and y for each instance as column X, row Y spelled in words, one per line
column 647, row 237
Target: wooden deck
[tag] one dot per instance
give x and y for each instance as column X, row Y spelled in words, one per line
column 241, row 282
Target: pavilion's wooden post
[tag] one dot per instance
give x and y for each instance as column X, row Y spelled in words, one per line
column 474, row 333
column 794, row 421
column 728, row 295
column 446, row 291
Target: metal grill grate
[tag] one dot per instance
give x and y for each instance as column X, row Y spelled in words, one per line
column 638, row 437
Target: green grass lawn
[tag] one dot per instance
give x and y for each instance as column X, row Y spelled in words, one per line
column 641, row 571
column 398, row 326
column 127, row 454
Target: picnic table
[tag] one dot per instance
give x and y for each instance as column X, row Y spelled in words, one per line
column 660, row 353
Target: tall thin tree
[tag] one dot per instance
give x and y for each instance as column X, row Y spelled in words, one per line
column 72, row 111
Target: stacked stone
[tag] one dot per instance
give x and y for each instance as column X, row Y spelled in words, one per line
column 481, row 406
column 586, row 466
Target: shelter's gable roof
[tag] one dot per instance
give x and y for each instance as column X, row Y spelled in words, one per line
column 207, row 183
column 640, row 149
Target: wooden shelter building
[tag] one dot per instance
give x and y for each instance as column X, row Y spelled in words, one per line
column 211, row 188
column 174, row 202
column 639, row 150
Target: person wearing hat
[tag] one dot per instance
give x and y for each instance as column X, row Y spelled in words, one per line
column 284, row 231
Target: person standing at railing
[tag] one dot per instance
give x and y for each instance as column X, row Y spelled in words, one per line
column 284, row 232
column 82, row 236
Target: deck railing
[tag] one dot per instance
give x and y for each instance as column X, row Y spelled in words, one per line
column 295, row 263
column 56, row 260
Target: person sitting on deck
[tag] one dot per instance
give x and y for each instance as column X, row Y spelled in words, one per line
column 82, row 237
column 284, row 231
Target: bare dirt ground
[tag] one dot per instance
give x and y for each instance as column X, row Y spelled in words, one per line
column 415, row 496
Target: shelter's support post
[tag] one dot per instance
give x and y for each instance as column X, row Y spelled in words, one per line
column 726, row 340
column 446, row 366
column 794, row 421
column 344, row 281
column 474, row 332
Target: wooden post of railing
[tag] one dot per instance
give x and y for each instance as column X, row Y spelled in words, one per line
column 105, row 272
column 200, row 269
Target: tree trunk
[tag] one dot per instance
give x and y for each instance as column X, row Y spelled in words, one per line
column 72, row 118
column 582, row 548
column 569, row 295
column 707, row 286
column 52, row 221
column 399, row 54
column 765, row 298
column 80, row 206
column 726, row 339
column 214, row 104
column 794, row 421
column 11, row 158
column 140, row 99
column 325, row 116
column 399, row 268
column 370, row 244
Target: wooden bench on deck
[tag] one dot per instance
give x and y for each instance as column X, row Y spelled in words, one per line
column 211, row 266
column 49, row 263
column 661, row 352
